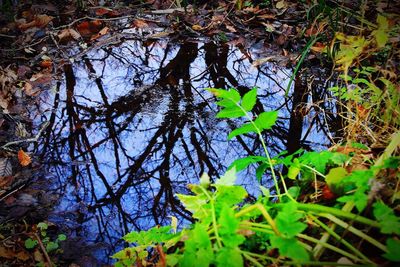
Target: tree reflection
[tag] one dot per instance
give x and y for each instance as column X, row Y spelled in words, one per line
column 132, row 126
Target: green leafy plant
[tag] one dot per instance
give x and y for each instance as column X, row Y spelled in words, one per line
column 276, row 229
column 42, row 242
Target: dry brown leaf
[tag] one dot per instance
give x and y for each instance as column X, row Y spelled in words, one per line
column 318, row 47
column 5, row 167
column 102, row 11
column 68, row 34
column 10, row 254
column 101, row 33
column 7, row 78
column 43, row 20
column 197, row 27
column 230, row 28
column 6, row 181
column 46, row 63
column 88, row 28
column 39, row 21
column 139, row 23
column 23, row 158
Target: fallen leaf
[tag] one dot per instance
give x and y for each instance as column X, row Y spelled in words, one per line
column 102, row 11
column 39, row 21
column 68, row 34
column 88, row 28
column 197, row 27
column 38, row 256
column 100, row 33
column 6, row 181
column 230, row 28
column 24, row 159
column 10, row 254
column 46, row 63
column 139, row 23
column 318, row 47
column 281, row 5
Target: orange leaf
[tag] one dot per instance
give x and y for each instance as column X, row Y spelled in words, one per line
column 46, row 63
column 139, row 23
column 24, row 159
column 102, row 11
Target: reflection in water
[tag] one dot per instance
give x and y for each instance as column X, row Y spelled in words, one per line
column 132, row 125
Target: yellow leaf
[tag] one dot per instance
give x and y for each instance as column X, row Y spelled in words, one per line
column 281, row 4
column 174, row 223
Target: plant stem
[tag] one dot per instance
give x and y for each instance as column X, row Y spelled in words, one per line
column 329, row 246
column 355, row 231
column 46, row 255
column 303, row 55
column 336, row 212
column 251, row 259
column 260, row 137
column 264, row 212
column 330, row 231
column 214, row 219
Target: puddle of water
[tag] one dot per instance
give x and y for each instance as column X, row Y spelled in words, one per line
column 132, row 125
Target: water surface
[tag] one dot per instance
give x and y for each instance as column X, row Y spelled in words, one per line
column 132, row 125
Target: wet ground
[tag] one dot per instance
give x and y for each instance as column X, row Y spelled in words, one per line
column 131, row 125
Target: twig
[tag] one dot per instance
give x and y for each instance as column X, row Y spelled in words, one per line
column 34, row 139
column 12, row 192
column 43, row 250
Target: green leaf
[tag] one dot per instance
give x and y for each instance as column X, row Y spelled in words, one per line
column 261, row 170
column 61, row 237
column 294, row 191
column 243, row 163
column 266, row 120
column 358, row 145
column 231, row 112
column 30, row 243
column 393, row 246
column 229, row 178
column 229, row 224
column 290, row 247
column 42, row 226
column 229, row 257
column 390, row 223
column 197, row 248
column 231, row 94
column 294, row 169
column 228, row 196
column 391, row 163
column 381, row 34
column 51, row 246
column 287, row 220
column 173, row 259
column 249, row 99
column 225, row 103
column 150, row 237
column 359, row 198
column 335, row 176
column 198, row 205
column 319, row 160
column 265, row 191
column 245, row 128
